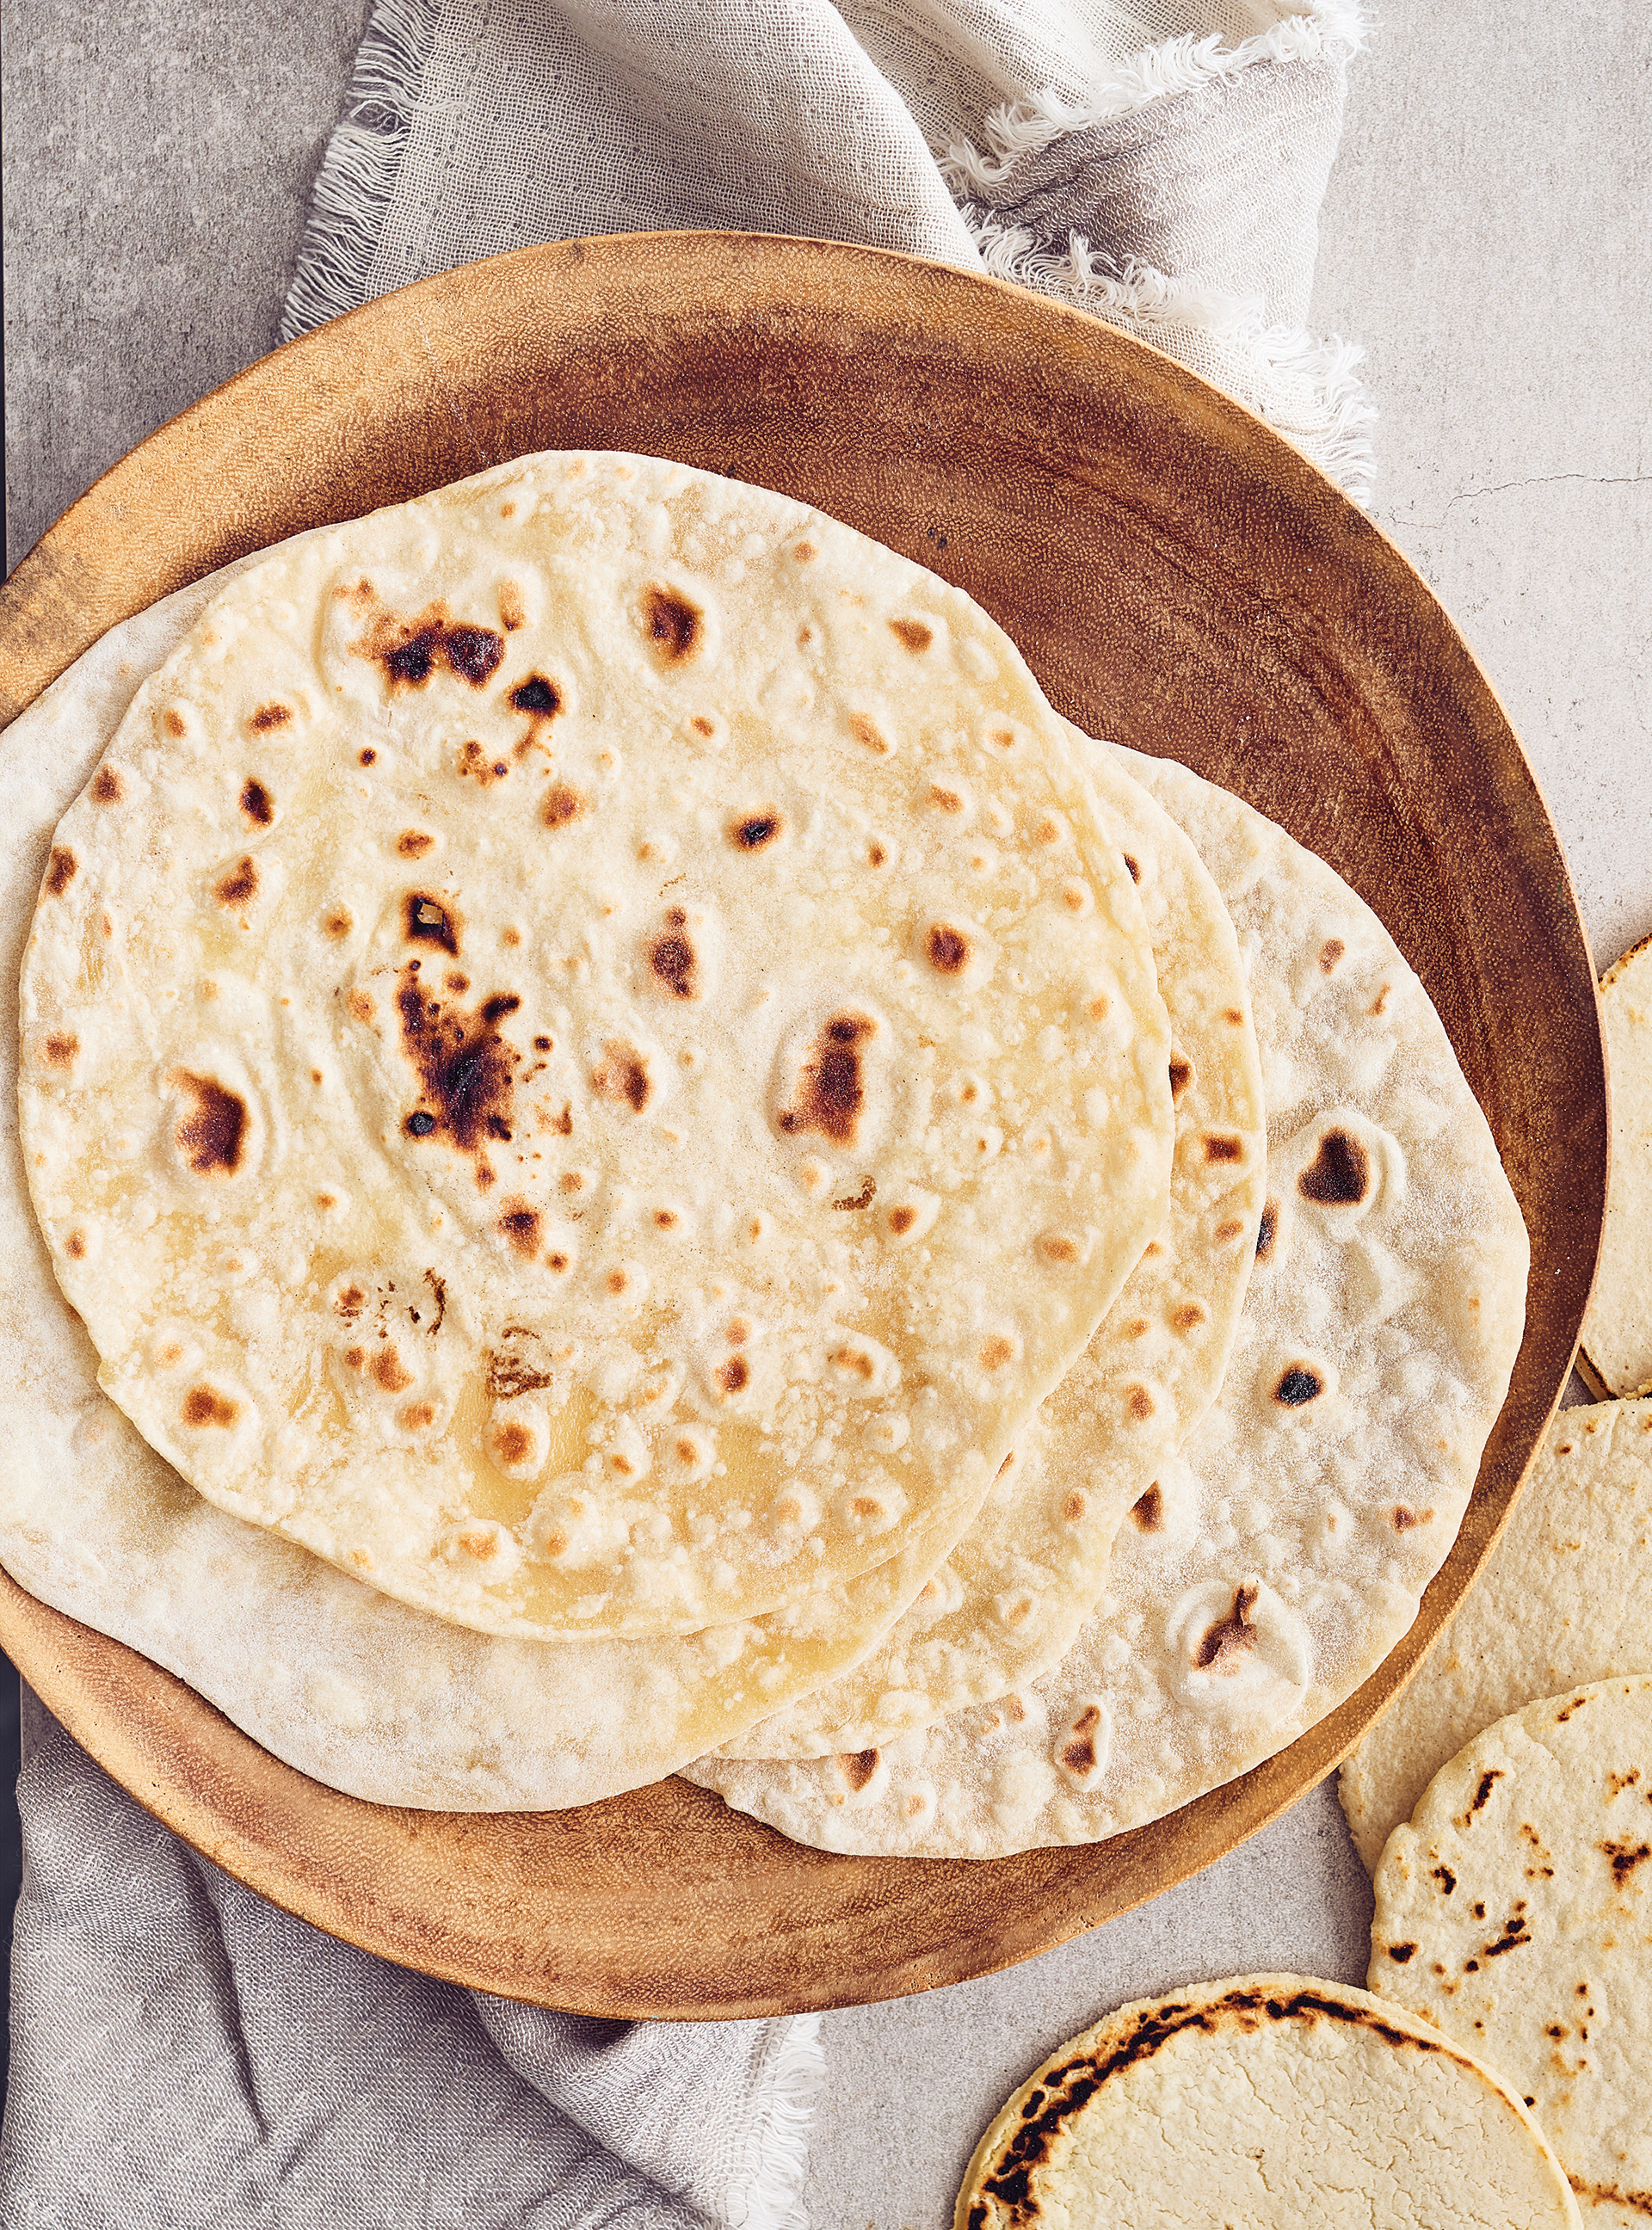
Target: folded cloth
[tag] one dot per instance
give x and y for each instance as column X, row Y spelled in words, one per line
column 1159, row 162
column 184, row 2053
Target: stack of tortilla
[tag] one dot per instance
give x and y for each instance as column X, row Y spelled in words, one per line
column 630, row 1154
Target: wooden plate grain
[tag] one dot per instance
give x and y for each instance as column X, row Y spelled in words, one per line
column 1179, row 579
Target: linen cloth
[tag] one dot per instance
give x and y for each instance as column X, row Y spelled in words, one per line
column 183, row 2052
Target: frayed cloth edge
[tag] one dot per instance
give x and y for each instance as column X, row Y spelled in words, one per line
column 1321, row 29
column 356, row 180
column 777, row 2159
column 1306, row 387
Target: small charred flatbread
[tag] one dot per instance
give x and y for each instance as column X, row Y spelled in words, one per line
column 1514, row 1911
column 1269, row 2100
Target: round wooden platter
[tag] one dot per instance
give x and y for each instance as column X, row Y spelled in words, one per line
column 1179, row 579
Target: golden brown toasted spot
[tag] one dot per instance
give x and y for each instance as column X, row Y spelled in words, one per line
column 389, row 1371
column 337, row 923
column 1339, row 1173
column 173, row 721
column 562, row 805
column 948, row 949
column 520, row 1224
column 1302, row 1383
column 427, row 920
column 1147, row 1511
column 1075, row 1506
column 324, row 1200
column 948, row 801
column 1181, row 1076
column 537, row 696
column 61, row 1048
column 912, row 635
column 674, row 961
column 803, row 552
column 1329, row 952
column 1218, row 1149
column 474, row 760
column 269, row 716
column 1134, row 865
column 513, row 1444
column 1138, row 1404
column 854, row 1360
column 414, row 843
column 466, row 1070
column 703, row 726
column 623, row 1074
column 1230, row 1635
column 61, row 870
column 735, row 1375
column 416, row 1417
column 1057, row 1247
column 256, row 802
column 75, row 1244
column 1047, row 830
column 755, row 830
column 1234, row 1015
column 512, row 613
column 833, row 1088
column 864, row 1198
column 857, row 1767
column 1186, row 1317
column 673, row 624
column 1077, row 1753
column 410, row 650
column 1136, row 1328
column 868, row 732
column 996, row 1350
column 366, row 756
column 107, row 789
column 1380, row 1002
column 361, row 1006
column 212, row 1136
column 877, row 856
column 203, row 1405
column 239, row 885
column 1267, row 1231
column 902, row 1220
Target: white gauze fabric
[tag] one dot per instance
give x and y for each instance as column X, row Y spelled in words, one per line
column 1158, row 163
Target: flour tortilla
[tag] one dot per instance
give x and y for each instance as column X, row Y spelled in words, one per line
column 1007, row 1604
column 1269, row 2100
column 1284, row 1552
column 584, row 1056
column 1565, row 1597
column 363, row 1693
column 1515, row 1913
column 1617, row 1330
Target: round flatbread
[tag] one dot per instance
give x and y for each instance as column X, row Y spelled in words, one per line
column 1281, row 1554
column 1564, row 1597
column 1616, row 1338
column 361, row 1691
column 1269, row 2100
column 1515, row 1912
column 584, row 1056
column 1008, row 1601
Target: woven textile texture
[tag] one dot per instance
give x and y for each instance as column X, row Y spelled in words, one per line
column 184, row 2054
column 1160, row 163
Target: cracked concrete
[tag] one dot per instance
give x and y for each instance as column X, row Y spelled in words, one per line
column 1479, row 238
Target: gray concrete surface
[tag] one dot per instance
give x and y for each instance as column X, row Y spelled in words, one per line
column 1480, row 238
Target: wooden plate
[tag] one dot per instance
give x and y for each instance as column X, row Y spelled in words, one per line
column 1179, row 579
